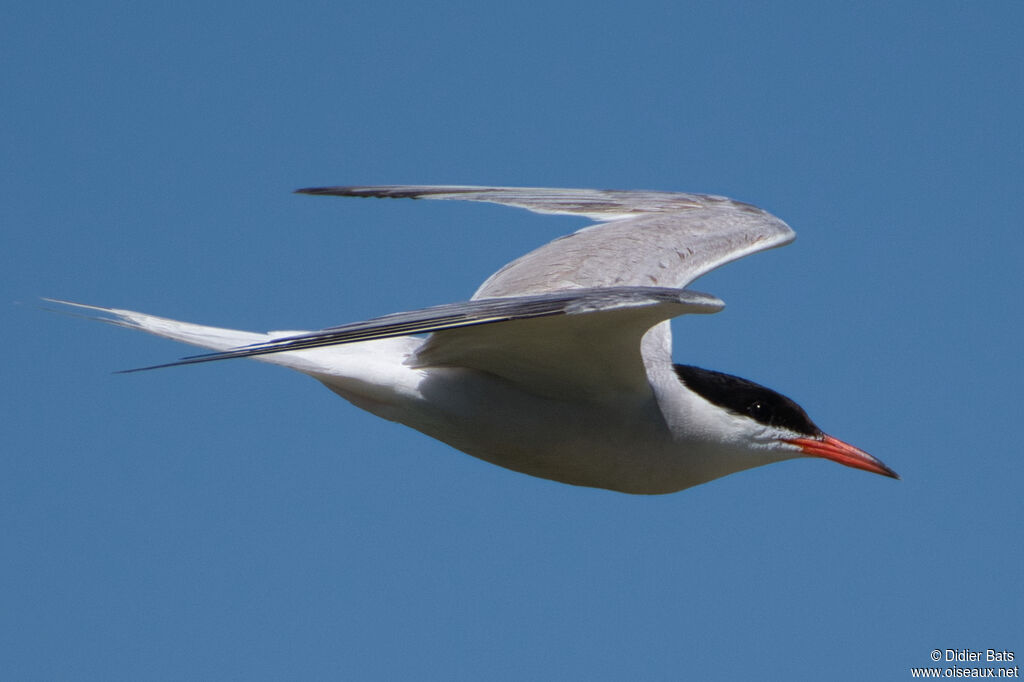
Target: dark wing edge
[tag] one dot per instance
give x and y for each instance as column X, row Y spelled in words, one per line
column 470, row 314
column 596, row 204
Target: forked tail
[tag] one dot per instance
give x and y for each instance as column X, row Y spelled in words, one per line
column 214, row 338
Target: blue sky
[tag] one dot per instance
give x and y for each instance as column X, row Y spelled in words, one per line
column 239, row 521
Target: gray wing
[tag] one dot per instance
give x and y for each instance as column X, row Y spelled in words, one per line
column 554, row 344
column 660, row 239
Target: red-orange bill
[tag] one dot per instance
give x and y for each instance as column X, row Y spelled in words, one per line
column 844, row 453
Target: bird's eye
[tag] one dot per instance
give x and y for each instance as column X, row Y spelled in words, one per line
column 760, row 411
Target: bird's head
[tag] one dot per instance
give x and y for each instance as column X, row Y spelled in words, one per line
column 752, row 418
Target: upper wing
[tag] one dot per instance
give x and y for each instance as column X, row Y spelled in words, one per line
column 580, row 342
column 661, row 239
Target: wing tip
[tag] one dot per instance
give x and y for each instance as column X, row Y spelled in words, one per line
column 390, row 191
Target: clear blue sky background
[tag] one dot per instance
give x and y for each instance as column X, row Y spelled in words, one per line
column 238, row 521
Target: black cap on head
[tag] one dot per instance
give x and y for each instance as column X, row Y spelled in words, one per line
column 747, row 398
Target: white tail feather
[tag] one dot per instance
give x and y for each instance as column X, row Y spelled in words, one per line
column 316, row 361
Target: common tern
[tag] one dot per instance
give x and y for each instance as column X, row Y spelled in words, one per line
column 560, row 365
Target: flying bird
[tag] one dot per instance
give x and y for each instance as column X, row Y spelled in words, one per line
column 560, row 365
